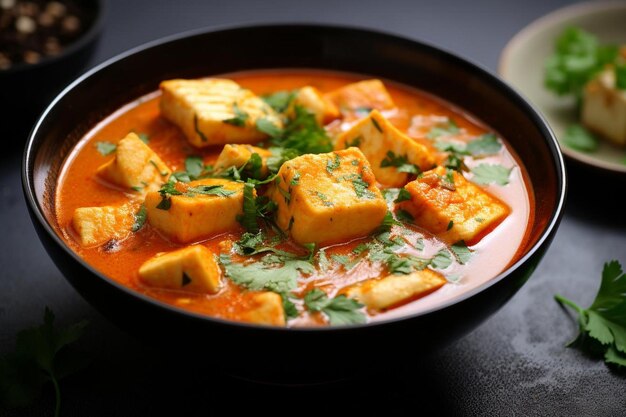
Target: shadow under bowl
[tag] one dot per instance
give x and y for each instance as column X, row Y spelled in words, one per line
column 291, row 354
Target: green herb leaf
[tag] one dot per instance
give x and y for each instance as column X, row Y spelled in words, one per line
column 376, row 125
column 462, row 253
column 280, row 100
column 577, row 58
column 240, row 117
column 488, row 174
column 361, row 188
column 41, row 356
column 249, row 220
column 620, row 77
column 194, row 165
column 447, row 128
column 404, row 216
column 339, row 310
column 144, row 137
column 140, row 218
column 106, row 148
column 203, row 138
column 403, row 195
column 304, row 134
column 487, row 144
column 333, row 163
column 579, row 138
column 269, row 128
column 605, row 320
column 441, row 260
column 400, row 162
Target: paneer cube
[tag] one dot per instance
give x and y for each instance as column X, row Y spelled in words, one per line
column 604, row 107
column 328, row 198
column 189, row 269
column 314, row 101
column 387, row 149
column 98, row 225
column 454, row 212
column 135, row 166
column 238, row 155
column 367, row 94
column 215, row 111
column 389, row 291
column 265, row 308
column 193, row 216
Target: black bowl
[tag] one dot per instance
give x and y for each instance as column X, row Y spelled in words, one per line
column 27, row 88
column 268, row 352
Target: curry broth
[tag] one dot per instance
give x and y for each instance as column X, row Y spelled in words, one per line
column 416, row 114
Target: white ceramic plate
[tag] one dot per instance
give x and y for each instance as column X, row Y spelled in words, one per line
column 522, row 65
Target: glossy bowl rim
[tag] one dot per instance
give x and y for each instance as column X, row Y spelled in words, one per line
column 448, row 57
column 542, row 23
column 84, row 40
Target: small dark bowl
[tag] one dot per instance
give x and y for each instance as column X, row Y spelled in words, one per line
column 27, row 88
column 275, row 353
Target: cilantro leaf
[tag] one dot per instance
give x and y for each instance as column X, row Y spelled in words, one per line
column 333, row 164
column 447, row 128
column 268, row 127
column 304, row 134
column 441, row 260
column 605, row 320
column 144, row 137
column 140, row 218
column 194, row 166
column 462, row 253
column 401, row 162
column 248, row 219
column 106, row 148
column 196, row 128
column 280, row 100
column 41, row 356
column 620, row 76
column 487, row 144
column 488, row 174
column 240, row 117
column 579, row 138
column 577, row 58
column 340, row 310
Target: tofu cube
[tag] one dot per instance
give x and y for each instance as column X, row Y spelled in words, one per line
column 265, row 308
column 327, row 198
column 389, row 291
column 376, row 137
column 189, row 269
column 604, row 108
column 135, row 166
column 214, row 111
column 98, row 225
column 238, row 155
column 191, row 216
column 367, row 94
column 314, row 101
column 462, row 211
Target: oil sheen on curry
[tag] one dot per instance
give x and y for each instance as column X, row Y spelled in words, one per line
column 294, row 198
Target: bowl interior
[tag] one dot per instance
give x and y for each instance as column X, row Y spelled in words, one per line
column 138, row 72
column 523, row 60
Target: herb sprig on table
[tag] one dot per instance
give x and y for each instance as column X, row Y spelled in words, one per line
column 602, row 326
column 42, row 356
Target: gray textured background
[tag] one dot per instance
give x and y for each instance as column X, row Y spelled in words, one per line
column 514, row 364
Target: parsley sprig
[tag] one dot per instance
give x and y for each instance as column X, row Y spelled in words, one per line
column 602, row 326
column 340, row 310
column 42, row 355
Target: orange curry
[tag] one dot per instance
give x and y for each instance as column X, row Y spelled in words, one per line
column 294, row 198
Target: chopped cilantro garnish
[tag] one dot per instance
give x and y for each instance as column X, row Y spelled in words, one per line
column 140, row 218
column 404, row 216
column 333, row 163
column 361, row 188
column 400, row 162
column 488, row 174
column 339, row 310
column 487, row 144
column 197, row 129
column 447, row 128
column 620, row 76
column 169, row 189
column 403, row 195
column 354, row 142
column 442, row 259
column 450, row 225
column 194, row 166
column 106, row 148
column 304, row 134
column 268, row 127
column 295, row 180
column 376, row 125
column 280, row 100
column 579, row 138
column 144, row 137
column 602, row 326
column 324, row 199
column 240, row 117
column 462, row 253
